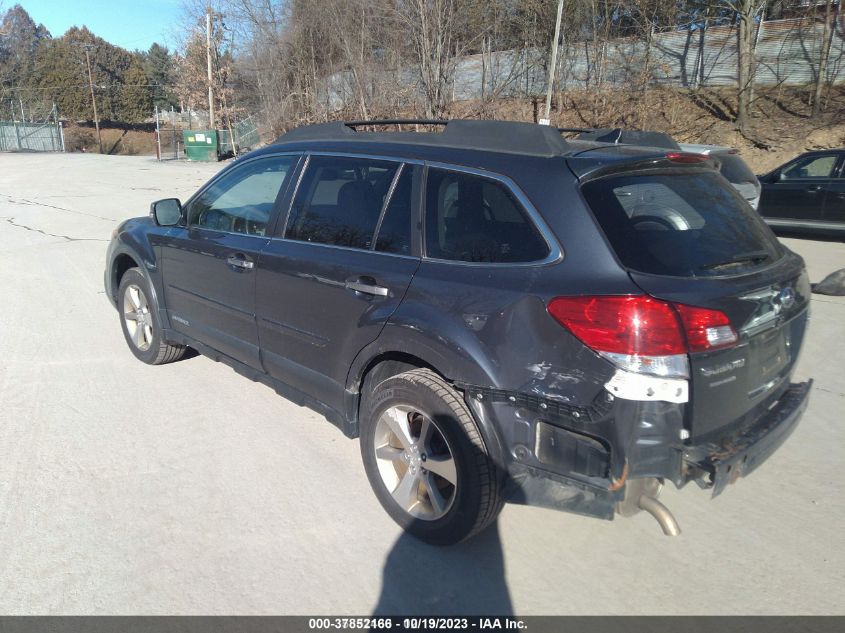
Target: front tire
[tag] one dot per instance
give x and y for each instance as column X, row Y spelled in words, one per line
column 426, row 460
column 140, row 321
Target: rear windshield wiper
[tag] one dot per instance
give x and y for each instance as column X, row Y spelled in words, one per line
column 743, row 258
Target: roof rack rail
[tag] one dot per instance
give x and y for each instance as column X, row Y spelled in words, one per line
column 354, row 124
column 576, row 129
column 511, row 137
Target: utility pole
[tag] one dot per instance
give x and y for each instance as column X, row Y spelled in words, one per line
column 15, row 123
column 208, row 59
column 553, row 65
column 158, row 137
column 88, row 48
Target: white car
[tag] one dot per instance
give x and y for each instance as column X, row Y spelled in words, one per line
column 733, row 168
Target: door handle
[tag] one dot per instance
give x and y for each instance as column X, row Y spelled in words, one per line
column 367, row 288
column 240, row 260
column 814, row 188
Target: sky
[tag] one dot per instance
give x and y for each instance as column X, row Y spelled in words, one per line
column 131, row 24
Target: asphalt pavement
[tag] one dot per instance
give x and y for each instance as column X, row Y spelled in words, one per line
column 188, row 489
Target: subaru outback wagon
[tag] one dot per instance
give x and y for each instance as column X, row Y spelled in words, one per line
column 497, row 313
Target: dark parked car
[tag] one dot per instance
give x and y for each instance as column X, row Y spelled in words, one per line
column 498, row 314
column 807, row 193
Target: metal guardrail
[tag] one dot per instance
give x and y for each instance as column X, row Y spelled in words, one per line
column 786, row 52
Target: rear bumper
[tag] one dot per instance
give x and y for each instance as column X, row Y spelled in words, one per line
column 806, row 226
column 739, row 454
column 564, row 457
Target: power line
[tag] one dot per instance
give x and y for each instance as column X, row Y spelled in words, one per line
column 83, row 86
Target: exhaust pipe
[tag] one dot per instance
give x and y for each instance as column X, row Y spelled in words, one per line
column 661, row 513
column 641, row 494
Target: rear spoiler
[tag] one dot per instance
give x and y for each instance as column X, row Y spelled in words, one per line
column 621, row 136
column 606, row 160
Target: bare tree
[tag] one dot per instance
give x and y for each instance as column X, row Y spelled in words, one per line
column 827, row 35
column 746, row 12
column 431, row 26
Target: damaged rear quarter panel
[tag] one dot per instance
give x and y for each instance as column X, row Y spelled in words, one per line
column 487, row 326
column 493, row 331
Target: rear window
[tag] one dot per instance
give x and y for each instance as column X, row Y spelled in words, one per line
column 680, row 225
column 734, row 169
column 340, row 200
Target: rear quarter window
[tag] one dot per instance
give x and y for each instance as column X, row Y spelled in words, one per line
column 682, row 225
column 471, row 218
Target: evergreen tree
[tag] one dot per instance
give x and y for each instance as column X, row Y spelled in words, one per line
column 20, row 40
column 136, row 97
column 119, row 77
column 159, row 66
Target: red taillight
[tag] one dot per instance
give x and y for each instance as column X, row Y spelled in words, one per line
column 706, row 329
column 686, row 157
column 642, row 325
column 621, row 325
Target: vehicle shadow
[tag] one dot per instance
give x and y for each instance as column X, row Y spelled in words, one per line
column 463, row 579
column 190, row 352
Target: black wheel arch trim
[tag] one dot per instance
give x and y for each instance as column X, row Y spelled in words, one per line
column 138, row 248
column 392, row 342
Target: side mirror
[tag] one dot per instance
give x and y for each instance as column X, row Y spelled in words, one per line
column 166, row 212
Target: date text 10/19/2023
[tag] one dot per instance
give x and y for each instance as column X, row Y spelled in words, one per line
column 416, row 623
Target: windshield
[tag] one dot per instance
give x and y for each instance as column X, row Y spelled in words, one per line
column 691, row 225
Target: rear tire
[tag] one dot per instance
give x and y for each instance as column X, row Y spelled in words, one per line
column 426, row 460
column 140, row 321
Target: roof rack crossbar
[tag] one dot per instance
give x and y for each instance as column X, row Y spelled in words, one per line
column 577, row 129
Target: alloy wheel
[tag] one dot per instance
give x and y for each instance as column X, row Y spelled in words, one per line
column 415, row 462
column 138, row 318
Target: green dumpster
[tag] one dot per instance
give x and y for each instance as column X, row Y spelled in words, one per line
column 201, row 145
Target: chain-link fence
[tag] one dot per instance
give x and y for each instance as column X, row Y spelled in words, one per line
column 245, row 134
column 32, row 136
column 171, row 125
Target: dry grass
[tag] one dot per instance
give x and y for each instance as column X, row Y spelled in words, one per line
column 116, row 140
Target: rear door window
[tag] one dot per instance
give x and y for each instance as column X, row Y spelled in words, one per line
column 471, row 218
column 394, row 232
column 340, row 201
column 680, row 225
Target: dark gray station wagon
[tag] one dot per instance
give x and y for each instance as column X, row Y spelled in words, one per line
column 498, row 314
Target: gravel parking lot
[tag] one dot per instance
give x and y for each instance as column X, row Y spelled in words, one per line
column 126, row 488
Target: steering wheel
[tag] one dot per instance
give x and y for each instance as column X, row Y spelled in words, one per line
column 658, row 214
